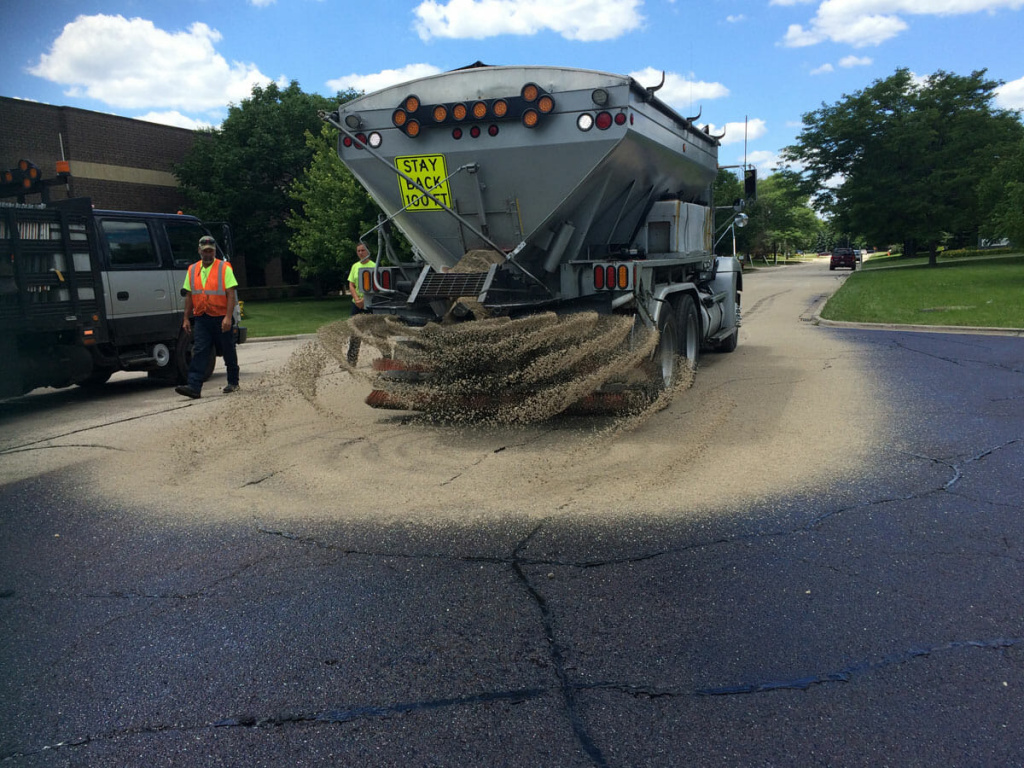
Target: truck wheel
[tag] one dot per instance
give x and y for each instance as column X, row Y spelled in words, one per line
column 729, row 344
column 97, row 378
column 665, row 362
column 183, row 358
column 689, row 322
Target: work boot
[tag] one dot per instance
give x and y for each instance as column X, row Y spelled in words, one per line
column 230, row 388
column 187, row 391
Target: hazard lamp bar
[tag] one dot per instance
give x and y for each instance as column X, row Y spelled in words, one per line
column 532, row 102
column 614, row 276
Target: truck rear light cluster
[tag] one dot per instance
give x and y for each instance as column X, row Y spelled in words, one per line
column 603, row 120
column 613, row 277
column 361, row 140
column 385, row 279
column 528, row 107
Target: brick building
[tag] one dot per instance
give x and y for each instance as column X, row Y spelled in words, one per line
column 119, row 162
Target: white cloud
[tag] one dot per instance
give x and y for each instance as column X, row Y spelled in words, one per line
column 585, row 20
column 848, row 62
column 736, row 18
column 262, row 3
column 755, row 129
column 765, row 160
column 861, row 23
column 679, row 91
column 1011, row 95
column 130, row 63
column 370, row 83
column 174, row 118
column 824, row 69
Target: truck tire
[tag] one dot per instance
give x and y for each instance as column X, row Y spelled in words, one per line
column 97, row 378
column 678, row 339
column 689, row 324
column 664, row 368
column 183, row 358
column 728, row 344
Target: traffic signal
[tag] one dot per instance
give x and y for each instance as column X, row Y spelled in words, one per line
column 750, row 183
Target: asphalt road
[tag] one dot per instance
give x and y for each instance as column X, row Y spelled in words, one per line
column 872, row 621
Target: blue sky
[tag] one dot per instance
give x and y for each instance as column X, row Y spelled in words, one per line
column 763, row 63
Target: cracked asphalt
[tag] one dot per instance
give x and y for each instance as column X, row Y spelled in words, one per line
column 867, row 615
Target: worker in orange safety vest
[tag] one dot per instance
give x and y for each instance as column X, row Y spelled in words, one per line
column 211, row 296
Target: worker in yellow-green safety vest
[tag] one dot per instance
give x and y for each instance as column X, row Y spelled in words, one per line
column 355, row 290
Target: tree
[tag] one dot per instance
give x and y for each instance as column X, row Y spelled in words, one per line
column 726, row 192
column 781, row 219
column 1002, row 195
column 241, row 172
column 335, row 212
column 902, row 159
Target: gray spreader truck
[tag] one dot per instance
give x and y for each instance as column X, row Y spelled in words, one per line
column 588, row 191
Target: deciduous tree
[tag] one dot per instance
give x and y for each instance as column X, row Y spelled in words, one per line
column 334, row 211
column 240, row 172
column 901, row 161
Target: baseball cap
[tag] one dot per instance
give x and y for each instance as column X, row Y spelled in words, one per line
column 207, row 242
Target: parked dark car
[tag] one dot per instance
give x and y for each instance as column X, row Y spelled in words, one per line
column 843, row 257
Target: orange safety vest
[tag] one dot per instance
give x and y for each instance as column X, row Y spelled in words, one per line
column 211, row 298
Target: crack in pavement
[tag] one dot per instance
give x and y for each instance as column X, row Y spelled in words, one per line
column 517, row 696
column 568, row 690
column 24, row 446
column 962, row 362
column 579, row 730
column 956, row 468
column 27, row 448
column 803, row 683
column 862, row 667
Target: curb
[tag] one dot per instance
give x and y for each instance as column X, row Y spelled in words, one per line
column 294, row 337
column 964, row 329
column 813, row 316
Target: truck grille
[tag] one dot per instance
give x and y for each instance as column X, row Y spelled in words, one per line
column 452, row 285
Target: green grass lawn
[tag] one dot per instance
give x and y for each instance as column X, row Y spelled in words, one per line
column 288, row 317
column 979, row 291
column 985, row 292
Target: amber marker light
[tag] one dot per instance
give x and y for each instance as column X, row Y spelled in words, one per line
column 546, row 104
column 530, row 92
column 399, row 117
column 459, row 111
column 411, row 103
column 500, row 108
column 440, row 113
column 530, row 118
column 480, row 110
column 412, row 128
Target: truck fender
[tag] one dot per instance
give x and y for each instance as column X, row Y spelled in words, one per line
column 665, row 298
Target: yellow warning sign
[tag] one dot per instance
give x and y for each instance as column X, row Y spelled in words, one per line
column 430, row 172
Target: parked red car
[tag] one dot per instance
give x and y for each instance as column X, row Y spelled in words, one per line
column 843, row 257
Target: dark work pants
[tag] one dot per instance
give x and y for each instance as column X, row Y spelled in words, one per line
column 207, row 339
column 355, row 342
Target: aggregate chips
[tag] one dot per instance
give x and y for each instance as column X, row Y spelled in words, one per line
column 503, row 370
